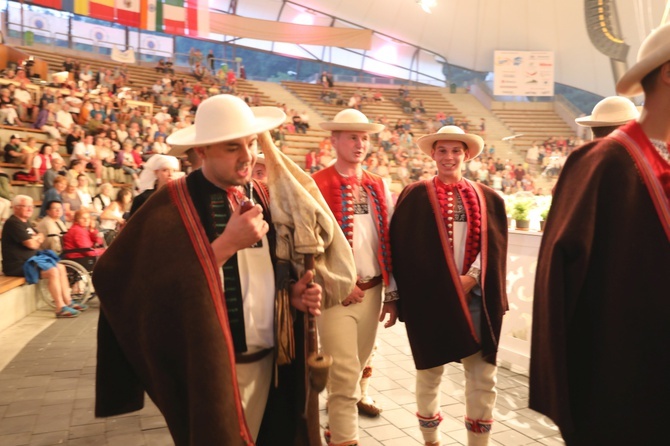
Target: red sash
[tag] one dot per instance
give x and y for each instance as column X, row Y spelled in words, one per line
column 654, row 170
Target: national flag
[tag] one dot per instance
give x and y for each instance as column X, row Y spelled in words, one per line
column 128, row 12
column 76, row 6
column 55, row 4
column 197, row 19
column 102, row 9
column 151, row 15
column 174, row 17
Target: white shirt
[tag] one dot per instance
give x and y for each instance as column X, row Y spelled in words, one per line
column 82, row 150
column 64, row 119
column 366, row 243
column 23, row 96
column 257, row 283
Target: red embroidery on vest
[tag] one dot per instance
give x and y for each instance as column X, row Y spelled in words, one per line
column 446, row 195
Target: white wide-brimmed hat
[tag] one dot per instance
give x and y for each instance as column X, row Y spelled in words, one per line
column 611, row 111
column 474, row 143
column 351, row 120
column 654, row 52
column 223, row 118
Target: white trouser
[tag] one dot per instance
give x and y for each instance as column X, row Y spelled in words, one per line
column 348, row 335
column 253, row 380
column 480, row 398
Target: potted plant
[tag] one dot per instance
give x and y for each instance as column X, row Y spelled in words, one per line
column 543, row 216
column 520, row 214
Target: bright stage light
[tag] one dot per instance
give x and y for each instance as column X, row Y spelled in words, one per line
column 426, row 5
column 304, row 19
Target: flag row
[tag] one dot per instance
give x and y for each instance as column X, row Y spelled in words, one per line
column 168, row 16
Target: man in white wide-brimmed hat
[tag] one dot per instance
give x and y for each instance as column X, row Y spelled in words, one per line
column 602, row 277
column 362, row 205
column 205, row 356
column 608, row 115
column 449, row 242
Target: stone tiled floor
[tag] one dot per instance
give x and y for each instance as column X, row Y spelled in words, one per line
column 47, row 397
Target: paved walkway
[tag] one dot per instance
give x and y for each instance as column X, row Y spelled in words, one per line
column 47, row 396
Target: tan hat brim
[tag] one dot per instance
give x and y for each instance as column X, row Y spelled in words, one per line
column 587, row 121
column 267, row 118
column 352, row 127
column 474, row 143
column 630, row 83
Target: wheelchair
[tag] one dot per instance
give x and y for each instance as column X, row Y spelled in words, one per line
column 79, row 273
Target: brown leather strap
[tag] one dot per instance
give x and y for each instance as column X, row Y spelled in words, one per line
column 241, row 358
column 369, row 283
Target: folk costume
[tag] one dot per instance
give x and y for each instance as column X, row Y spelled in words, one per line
column 179, row 319
column 443, row 324
column 348, row 332
column 600, row 294
column 440, row 232
column 200, row 339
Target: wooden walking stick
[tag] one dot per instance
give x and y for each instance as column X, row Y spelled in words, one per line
column 318, row 364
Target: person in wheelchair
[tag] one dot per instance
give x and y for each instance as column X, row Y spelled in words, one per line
column 82, row 240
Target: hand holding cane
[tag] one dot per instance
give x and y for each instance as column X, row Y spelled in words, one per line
column 318, row 364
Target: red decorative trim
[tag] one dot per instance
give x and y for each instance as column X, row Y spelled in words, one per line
column 484, row 249
column 478, row 426
column 638, row 145
column 446, row 197
column 179, row 194
column 338, row 193
column 448, row 252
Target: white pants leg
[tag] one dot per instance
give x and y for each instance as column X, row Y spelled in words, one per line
column 348, row 335
column 480, row 398
column 253, row 379
column 428, row 402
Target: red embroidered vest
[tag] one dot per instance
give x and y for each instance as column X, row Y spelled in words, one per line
column 338, row 193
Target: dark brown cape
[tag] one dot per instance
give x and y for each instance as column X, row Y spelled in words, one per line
column 164, row 329
column 432, row 303
column 599, row 352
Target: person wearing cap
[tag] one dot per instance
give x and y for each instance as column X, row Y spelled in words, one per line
column 362, row 205
column 205, row 356
column 608, row 115
column 449, row 243
column 599, row 362
column 260, row 172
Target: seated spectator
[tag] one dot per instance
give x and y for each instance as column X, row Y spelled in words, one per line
column 64, row 121
column 54, row 193
column 85, row 151
column 52, row 227
column 42, row 161
column 71, row 200
column 82, row 235
column 12, row 150
column 311, row 161
column 114, row 216
column 126, row 161
column 84, row 192
column 8, row 111
column 103, row 198
column 104, row 152
column 160, row 67
column 199, row 71
column 22, row 97
column 20, row 258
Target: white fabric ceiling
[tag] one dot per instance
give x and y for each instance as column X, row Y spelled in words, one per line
column 467, row 32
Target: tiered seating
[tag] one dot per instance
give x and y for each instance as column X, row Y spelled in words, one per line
column 535, row 125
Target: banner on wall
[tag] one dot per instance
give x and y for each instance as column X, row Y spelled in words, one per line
column 150, row 44
column 523, row 73
column 98, row 35
column 127, row 56
column 39, row 23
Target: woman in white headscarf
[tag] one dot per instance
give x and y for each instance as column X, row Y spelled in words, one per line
column 158, row 171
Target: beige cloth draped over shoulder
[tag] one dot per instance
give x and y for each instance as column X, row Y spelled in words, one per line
column 305, row 225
